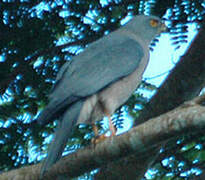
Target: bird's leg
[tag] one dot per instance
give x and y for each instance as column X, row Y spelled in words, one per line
column 95, row 130
column 98, row 138
column 112, row 128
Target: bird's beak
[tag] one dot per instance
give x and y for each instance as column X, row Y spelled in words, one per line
column 163, row 28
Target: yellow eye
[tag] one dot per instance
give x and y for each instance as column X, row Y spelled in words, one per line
column 154, row 22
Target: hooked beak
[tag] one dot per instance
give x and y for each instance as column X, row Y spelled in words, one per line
column 163, row 28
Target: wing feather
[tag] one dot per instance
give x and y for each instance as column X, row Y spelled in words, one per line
column 102, row 63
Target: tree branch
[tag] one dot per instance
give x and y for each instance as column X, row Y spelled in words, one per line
column 184, row 119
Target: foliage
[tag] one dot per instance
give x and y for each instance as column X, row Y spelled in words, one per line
column 181, row 158
column 38, row 37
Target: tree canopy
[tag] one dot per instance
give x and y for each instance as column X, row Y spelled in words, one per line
column 38, row 37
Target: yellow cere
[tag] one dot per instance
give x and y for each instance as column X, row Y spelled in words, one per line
column 154, row 22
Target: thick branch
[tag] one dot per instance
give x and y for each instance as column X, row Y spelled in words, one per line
column 188, row 117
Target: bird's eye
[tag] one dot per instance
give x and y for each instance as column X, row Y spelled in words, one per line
column 154, row 22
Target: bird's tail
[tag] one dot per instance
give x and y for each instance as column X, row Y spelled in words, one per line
column 62, row 134
column 55, row 108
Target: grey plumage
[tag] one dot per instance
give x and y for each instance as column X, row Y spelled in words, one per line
column 93, row 70
column 97, row 81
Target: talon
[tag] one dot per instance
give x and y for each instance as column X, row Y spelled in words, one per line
column 98, row 139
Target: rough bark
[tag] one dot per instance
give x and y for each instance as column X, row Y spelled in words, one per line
column 125, row 168
column 184, row 119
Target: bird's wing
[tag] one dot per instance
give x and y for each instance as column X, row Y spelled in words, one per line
column 102, row 63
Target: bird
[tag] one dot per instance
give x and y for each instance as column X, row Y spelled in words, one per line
column 97, row 81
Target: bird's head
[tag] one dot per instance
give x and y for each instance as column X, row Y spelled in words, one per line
column 146, row 27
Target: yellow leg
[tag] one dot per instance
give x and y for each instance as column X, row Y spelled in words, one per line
column 111, row 126
column 98, row 138
column 95, row 130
